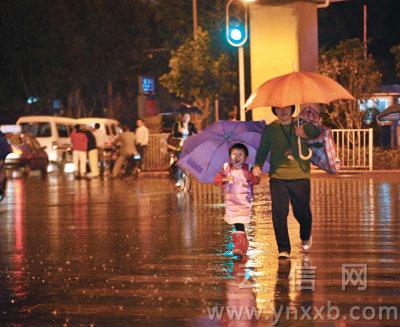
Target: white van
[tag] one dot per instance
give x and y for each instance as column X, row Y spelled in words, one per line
column 52, row 132
column 110, row 127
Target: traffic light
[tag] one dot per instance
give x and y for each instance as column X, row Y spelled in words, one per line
column 236, row 23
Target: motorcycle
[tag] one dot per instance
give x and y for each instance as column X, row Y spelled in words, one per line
column 109, row 156
column 182, row 179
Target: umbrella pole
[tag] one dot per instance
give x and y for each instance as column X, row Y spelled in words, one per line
column 309, row 155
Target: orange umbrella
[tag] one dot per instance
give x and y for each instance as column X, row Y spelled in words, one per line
column 297, row 88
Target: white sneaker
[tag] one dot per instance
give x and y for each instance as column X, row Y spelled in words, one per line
column 284, row 255
column 306, row 245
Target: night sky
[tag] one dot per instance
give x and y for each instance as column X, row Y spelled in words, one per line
column 344, row 20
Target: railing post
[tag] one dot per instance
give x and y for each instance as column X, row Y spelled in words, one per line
column 371, row 148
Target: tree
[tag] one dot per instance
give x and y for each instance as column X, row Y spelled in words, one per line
column 196, row 75
column 396, row 51
column 346, row 64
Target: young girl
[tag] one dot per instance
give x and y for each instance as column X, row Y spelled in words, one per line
column 237, row 182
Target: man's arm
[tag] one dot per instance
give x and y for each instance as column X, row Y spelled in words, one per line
column 146, row 137
column 311, row 131
column 264, row 148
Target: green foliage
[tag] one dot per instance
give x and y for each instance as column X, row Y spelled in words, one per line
column 346, row 64
column 396, row 51
column 196, row 75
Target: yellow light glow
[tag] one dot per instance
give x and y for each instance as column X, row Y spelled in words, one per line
column 16, row 151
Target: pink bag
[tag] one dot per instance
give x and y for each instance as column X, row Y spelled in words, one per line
column 323, row 146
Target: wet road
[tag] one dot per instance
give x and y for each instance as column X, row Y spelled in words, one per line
column 137, row 253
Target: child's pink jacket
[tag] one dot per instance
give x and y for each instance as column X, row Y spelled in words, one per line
column 239, row 194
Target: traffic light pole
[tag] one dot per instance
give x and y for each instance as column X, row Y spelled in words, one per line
column 242, row 97
column 237, row 35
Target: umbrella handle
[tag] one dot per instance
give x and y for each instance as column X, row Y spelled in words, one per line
column 306, row 157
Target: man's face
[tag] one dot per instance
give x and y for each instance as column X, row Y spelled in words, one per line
column 284, row 113
column 238, row 156
column 185, row 118
column 139, row 122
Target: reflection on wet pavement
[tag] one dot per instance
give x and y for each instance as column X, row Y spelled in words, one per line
column 137, row 253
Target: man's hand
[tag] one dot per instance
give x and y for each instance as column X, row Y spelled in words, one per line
column 300, row 132
column 256, row 171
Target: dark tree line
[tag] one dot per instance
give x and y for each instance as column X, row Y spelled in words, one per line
column 344, row 20
column 89, row 53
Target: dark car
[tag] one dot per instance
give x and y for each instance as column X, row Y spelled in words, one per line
column 27, row 154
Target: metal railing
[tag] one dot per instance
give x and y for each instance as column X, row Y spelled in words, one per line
column 354, row 148
column 157, row 156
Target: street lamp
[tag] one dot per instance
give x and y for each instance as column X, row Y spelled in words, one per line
column 237, row 35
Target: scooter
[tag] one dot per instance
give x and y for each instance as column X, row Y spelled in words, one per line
column 180, row 176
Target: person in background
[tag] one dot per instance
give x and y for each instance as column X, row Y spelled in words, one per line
column 181, row 130
column 79, row 151
column 101, row 143
column 183, row 127
column 232, row 116
column 93, row 153
column 127, row 149
column 101, row 138
column 142, row 140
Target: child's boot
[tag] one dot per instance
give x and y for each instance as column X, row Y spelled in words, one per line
column 240, row 243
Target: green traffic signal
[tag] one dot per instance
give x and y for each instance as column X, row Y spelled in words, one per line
column 236, row 23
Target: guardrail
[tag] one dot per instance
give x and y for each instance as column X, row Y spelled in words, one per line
column 157, row 156
column 354, row 148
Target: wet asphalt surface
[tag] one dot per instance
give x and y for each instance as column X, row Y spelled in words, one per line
column 136, row 252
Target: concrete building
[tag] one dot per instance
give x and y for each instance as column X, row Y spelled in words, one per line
column 283, row 38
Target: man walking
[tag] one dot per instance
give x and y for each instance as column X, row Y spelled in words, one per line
column 79, row 148
column 93, row 154
column 142, row 140
column 289, row 176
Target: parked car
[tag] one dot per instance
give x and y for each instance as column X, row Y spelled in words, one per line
column 27, row 154
column 53, row 133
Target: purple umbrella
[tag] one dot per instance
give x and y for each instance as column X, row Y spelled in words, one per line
column 204, row 154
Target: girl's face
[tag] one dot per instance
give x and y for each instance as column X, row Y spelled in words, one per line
column 238, row 157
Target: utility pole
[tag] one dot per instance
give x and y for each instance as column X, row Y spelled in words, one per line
column 365, row 33
column 242, row 96
column 195, row 25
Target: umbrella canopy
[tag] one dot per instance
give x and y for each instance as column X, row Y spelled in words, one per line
column 391, row 113
column 297, row 88
column 188, row 109
column 204, row 154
